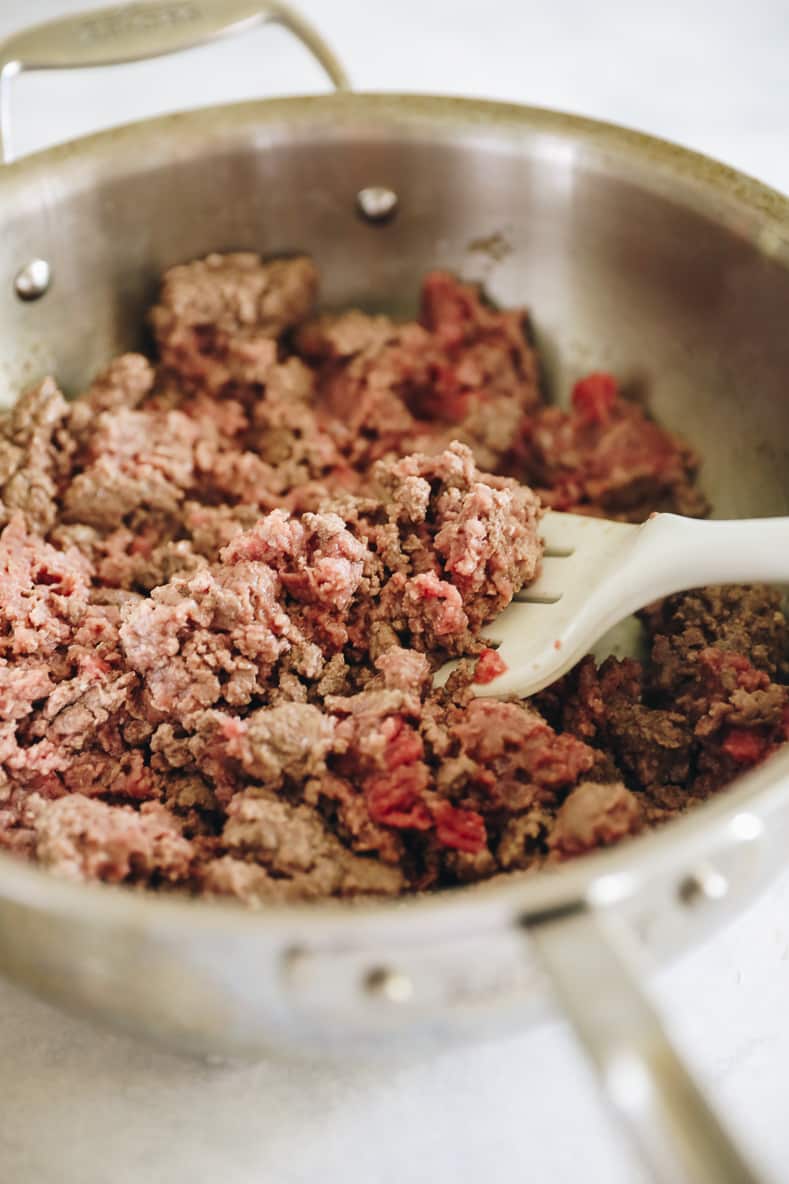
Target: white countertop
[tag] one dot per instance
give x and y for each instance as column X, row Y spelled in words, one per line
column 80, row 1106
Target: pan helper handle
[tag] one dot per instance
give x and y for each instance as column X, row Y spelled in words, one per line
column 132, row 32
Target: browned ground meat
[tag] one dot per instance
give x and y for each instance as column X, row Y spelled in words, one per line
column 228, row 574
column 605, row 457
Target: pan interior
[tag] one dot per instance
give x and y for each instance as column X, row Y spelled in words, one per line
column 662, row 282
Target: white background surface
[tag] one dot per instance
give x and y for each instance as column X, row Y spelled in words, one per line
column 78, row 1106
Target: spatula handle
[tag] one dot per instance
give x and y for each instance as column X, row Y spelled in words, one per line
column 671, row 554
column 686, row 553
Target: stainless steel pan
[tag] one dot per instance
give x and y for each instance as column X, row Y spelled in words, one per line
column 636, row 256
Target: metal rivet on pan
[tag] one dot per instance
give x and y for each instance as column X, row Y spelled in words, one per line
column 377, row 203
column 704, row 884
column 392, row 985
column 32, row 280
column 745, row 827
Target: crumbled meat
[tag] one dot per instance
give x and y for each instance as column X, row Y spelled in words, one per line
column 523, row 839
column 740, row 620
column 124, row 383
column 135, row 461
column 286, row 742
column 85, row 839
column 44, row 593
column 518, row 760
column 229, row 573
column 218, row 319
column 467, row 372
column 35, row 449
column 297, row 852
column 215, row 636
column 708, row 704
column 650, row 744
column 605, row 456
column 594, row 815
column 489, row 666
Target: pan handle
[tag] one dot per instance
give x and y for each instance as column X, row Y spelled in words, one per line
column 593, row 961
column 131, row 32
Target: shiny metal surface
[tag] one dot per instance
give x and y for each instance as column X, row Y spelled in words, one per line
column 597, row 969
column 32, row 281
column 634, row 256
column 376, row 203
column 131, row 32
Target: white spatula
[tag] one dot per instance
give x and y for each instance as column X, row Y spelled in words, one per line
column 596, row 572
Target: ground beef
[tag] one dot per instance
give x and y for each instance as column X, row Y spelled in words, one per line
column 594, row 816
column 605, row 456
column 465, row 372
column 746, row 621
column 35, row 449
column 229, row 572
column 85, row 839
column 708, row 704
column 295, row 851
column 285, row 743
column 218, row 319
